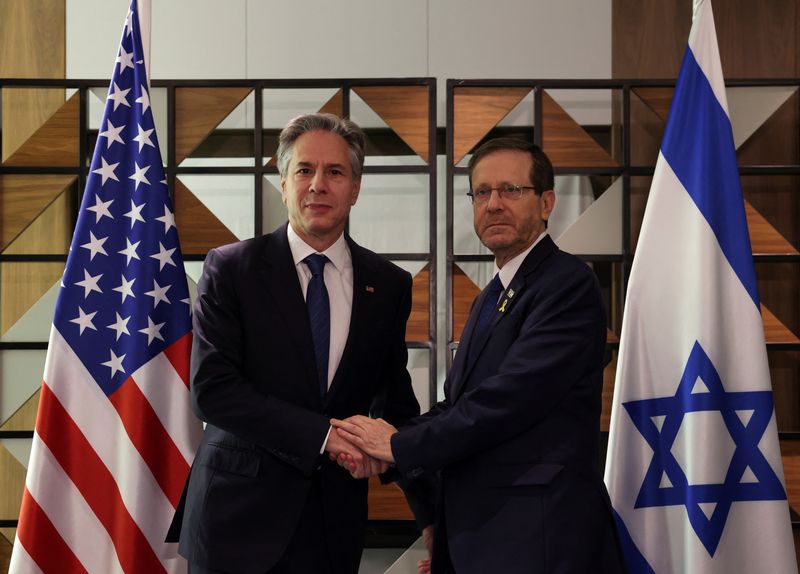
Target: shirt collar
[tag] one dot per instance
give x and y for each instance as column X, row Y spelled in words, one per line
column 512, row 266
column 337, row 254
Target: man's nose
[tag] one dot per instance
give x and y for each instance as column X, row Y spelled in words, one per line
column 494, row 203
column 318, row 183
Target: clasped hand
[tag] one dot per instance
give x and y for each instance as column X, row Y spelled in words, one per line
column 361, row 445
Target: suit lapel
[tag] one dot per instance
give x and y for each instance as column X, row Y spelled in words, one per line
column 281, row 283
column 504, row 305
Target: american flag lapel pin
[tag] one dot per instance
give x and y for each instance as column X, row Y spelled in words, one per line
column 369, row 289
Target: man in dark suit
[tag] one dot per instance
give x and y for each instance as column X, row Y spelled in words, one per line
column 290, row 330
column 515, row 442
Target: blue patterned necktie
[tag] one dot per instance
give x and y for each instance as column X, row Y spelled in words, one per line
column 319, row 314
column 488, row 308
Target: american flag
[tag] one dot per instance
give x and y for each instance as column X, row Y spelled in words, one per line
column 115, row 435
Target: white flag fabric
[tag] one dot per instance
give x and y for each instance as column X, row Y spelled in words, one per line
column 115, row 435
column 694, row 468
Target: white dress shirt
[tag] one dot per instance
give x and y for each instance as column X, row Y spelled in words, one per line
column 512, row 265
column 338, row 276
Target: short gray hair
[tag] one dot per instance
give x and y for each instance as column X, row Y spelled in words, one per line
column 349, row 131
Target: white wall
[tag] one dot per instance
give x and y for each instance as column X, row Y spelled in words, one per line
column 212, row 39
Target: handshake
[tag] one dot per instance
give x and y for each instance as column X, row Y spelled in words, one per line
column 361, row 445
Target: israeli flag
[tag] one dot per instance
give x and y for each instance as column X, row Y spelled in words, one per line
column 694, row 468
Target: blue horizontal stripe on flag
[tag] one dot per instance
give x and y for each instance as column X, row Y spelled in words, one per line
column 698, row 144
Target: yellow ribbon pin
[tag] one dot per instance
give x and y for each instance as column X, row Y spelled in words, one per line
column 503, row 306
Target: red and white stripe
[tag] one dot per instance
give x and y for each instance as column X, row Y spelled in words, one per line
column 106, row 473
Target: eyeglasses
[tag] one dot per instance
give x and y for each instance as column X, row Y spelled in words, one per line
column 482, row 194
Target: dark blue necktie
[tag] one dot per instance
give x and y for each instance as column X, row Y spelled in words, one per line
column 488, row 308
column 319, row 314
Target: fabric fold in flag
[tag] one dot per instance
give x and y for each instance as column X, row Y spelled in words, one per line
column 115, row 435
column 693, row 467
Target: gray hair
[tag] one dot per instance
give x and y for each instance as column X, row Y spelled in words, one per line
column 349, row 131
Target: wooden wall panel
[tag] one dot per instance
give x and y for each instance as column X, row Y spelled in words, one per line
column 21, row 285
column 24, row 418
column 334, row 105
column 404, row 109
column 783, row 368
column 55, row 142
column 23, row 198
column 5, row 548
column 25, row 110
column 476, row 111
column 12, row 483
column 50, row 232
column 464, row 293
column 418, row 326
column 198, row 111
column 566, row 143
column 648, row 37
column 32, row 45
column 387, row 502
column 198, row 228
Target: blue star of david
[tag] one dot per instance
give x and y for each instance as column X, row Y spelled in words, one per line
column 746, row 454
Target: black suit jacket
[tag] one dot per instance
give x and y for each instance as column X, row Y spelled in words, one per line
column 515, row 442
column 254, row 382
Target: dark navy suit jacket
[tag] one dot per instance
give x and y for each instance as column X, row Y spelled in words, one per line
column 254, row 382
column 515, row 442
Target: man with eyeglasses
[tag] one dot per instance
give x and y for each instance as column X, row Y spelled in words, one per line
column 515, row 442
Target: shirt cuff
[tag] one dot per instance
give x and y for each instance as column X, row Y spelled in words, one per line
column 325, row 442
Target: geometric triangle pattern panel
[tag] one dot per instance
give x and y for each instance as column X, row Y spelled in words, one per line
column 464, row 293
column 404, row 109
column 35, row 323
column 51, row 230
column 774, row 330
column 24, row 418
column 198, row 228
column 25, row 110
column 418, row 326
column 334, row 105
column 476, row 110
column 598, row 230
column 765, row 239
column 24, row 283
column 23, row 198
column 750, row 108
column 565, row 141
column 657, row 99
column 12, row 483
column 54, row 143
column 198, row 111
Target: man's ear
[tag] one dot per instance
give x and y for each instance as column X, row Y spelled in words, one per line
column 283, row 190
column 548, row 203
column 356, row 191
